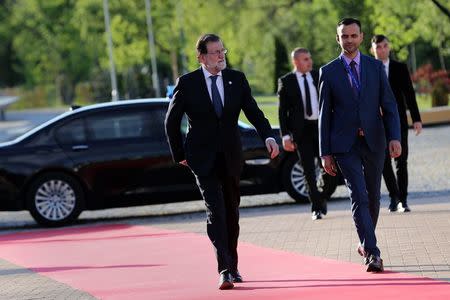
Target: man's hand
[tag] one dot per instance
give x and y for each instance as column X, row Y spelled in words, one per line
column 183, row 162
column 272, row 147
column 395, row 148
column 329, row 165
column 417, row 127
column 288, row 144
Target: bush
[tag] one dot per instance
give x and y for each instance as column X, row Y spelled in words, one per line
column 435, row 83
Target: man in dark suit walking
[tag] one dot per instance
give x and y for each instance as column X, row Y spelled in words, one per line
column 298, row 113
column 212, row 98
column 402, row 87
column 352, row 131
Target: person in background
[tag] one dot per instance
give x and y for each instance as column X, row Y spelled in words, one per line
column 405, row 95
column 298, row 113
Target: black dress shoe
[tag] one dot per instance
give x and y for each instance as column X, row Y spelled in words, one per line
column 225, row 281
column 316, row 215
column 393, row 207
column 375, row 264
column 403, row 207
column 236, row 276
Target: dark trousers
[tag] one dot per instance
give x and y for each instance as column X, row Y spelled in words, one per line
column 308, row 151
column 222, row 197
column 398, row 187
column 362, row 171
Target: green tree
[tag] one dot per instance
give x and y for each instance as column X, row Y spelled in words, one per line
column 406, row 22
column 48, row 43
column 8, row 61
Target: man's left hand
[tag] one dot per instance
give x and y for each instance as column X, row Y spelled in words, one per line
column 395, row 148
column 272, row 147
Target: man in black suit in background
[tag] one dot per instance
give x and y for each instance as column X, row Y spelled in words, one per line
column 402, row 87
column 212, row 98
column 298, row 113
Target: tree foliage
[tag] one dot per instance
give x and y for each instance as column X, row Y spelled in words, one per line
column 63, row 42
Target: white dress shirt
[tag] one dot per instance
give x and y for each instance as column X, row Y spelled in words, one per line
column 219, row 83
column 386, row 67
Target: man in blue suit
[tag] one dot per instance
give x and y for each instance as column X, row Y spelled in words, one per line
column 357, row 114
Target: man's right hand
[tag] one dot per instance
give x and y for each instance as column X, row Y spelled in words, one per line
column 184, row 163
column 288, row 144
column 329, row 165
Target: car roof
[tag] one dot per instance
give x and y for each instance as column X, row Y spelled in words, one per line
column 81, row 109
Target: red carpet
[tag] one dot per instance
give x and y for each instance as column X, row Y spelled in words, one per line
column 140, row 262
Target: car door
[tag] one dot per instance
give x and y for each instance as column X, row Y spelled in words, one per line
column 125, row 157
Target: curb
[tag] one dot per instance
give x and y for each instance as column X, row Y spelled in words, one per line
column 434, row 116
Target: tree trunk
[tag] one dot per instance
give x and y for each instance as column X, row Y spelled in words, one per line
column 174, row 65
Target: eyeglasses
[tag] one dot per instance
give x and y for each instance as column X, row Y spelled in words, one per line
column 218, row 52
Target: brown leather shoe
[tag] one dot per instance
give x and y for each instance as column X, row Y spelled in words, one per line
column 375, row 264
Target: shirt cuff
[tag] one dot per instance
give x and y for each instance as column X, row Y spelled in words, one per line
column 286, row 137
column 270, row 138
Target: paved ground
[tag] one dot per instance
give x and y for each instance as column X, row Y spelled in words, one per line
column 417, row 243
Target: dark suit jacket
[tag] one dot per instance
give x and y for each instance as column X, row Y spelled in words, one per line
column 404, row 93
column 290, row 110
column 341, row 113
column 207, row 134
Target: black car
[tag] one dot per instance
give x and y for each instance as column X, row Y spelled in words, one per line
column 115, row 154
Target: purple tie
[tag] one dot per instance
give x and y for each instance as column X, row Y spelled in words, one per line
column 355, row 74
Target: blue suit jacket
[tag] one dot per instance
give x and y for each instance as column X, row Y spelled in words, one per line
column 341, row 113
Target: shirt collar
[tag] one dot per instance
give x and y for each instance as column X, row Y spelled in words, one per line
column 386, row 64
column 300, row 74
column 357, row 58
column 207, row 74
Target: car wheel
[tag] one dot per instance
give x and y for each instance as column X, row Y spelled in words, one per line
column 294, row 180
column 55, row 199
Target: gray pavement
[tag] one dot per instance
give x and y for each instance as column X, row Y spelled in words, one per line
column 416, row 243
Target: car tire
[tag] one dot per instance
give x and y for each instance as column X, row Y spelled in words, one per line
column 55, row 199
column 294, row 181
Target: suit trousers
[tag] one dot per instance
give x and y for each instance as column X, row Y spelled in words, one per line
column 221, row 194
column 398, row 187
column 362, row 170
column 308, row 151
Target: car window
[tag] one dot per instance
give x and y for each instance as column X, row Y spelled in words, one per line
column 71, row 132
column 126, row 124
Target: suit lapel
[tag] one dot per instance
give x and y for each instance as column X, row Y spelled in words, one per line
column 343, row 76
column 296, row 84
column 227, row 83
column 363, row 71
column 391, row 71
column 204, row 94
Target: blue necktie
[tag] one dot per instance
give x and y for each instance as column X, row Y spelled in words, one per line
column 355, row 74
column 217, row 101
